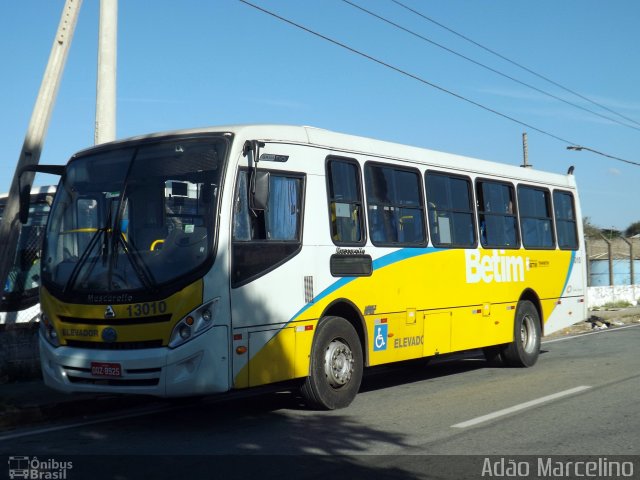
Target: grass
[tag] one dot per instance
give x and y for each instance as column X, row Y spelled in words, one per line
column 617, row 304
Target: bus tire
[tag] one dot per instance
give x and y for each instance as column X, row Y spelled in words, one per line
column 525, row 348
column 336, row 365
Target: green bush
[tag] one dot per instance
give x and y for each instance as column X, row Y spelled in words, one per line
column 617, row 304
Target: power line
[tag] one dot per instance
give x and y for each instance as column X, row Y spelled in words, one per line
column 498, row 72
column 403, row 72
column 419, row 79
column 513, row 62
column 579, row 148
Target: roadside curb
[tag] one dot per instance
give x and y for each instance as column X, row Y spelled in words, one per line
column 601, row 320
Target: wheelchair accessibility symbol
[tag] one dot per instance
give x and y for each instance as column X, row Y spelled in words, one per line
column 380, row 337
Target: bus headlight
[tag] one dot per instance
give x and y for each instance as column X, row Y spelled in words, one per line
column 47, row 331
column 195, row 323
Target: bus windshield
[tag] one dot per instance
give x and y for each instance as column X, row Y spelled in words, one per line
column 134, row 218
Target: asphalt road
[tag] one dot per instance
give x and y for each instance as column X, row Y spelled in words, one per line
column 582, row 398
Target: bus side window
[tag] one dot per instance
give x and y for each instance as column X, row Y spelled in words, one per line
column 395, row 205
column 535, row 217
column 282, row 219
column 450, row 207
column 566, row 226
column 497, row 214
column 344, row 194
column 263, row 239
column 247, row 224
column 241, row 221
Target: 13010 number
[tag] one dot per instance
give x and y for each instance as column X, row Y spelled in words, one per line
column 144, row 309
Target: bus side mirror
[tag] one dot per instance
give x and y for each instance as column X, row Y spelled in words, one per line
column 259, row 197
column 25, row 191
column 25, row 199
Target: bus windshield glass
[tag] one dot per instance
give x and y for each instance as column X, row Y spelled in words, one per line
column 134, row 218
column 23, row 280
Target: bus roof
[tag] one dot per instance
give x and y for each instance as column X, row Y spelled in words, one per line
column 345, row 143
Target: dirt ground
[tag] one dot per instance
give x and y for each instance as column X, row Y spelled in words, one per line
column 601, row 319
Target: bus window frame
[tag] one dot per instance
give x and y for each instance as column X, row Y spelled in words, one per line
column 361, row 194
column 552, row 217
column 473, row 210
column 422, row 206
column 514, row 208
column 575, row 220
column 302, row 176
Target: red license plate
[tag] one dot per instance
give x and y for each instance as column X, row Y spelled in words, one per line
column 102, row 369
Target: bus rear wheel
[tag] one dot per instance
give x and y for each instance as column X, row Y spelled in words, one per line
column 336, row 365
column 525, row 348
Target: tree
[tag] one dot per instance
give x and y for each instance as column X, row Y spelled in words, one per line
column 633, row 229
column 611, row 232
column 590, row 230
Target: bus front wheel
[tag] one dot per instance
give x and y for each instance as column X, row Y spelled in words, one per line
column 336, row 365
column 525, row 348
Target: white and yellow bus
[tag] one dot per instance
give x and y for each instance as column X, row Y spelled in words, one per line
column 202, row 261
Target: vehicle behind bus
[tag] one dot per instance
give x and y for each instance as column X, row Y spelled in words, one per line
column 19, row 304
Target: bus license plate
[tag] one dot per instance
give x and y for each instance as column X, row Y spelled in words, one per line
column 102, row 369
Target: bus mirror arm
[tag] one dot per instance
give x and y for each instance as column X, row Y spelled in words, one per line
column 25, row 190
column 259, row 183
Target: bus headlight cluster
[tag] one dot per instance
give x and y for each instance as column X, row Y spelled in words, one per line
column 195, row 323
column 47, row 331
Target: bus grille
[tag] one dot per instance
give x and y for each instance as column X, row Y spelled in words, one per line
column 141, row 382
column 115, row 345
column 117, row 321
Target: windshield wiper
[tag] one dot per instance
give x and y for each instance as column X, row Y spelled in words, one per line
column 83, row 258
column 141, row 269
column 117, row 238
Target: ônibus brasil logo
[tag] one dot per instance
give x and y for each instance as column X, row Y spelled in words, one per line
column 35, row 469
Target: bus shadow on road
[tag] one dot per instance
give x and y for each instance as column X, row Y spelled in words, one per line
column 375, row 378
column 412, row 371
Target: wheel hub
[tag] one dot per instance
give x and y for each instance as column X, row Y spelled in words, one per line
column 338, row 363
column 527, row 334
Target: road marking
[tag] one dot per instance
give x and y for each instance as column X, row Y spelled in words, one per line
column 608, row 330
column 521, row 406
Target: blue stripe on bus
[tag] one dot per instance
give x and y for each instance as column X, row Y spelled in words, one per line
column 571, row 263
column 400, row 255
column 384, row 261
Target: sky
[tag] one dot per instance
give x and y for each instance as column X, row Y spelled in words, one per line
column 197, row 63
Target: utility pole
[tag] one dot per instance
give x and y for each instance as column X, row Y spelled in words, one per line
column 525, row 152
column 632, row 279
column 107, row 67
column 36, row 132
column 610, row 257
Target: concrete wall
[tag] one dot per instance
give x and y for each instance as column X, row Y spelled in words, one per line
column 598, row 296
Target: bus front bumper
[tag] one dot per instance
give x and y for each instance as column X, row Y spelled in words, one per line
column 200, row 366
